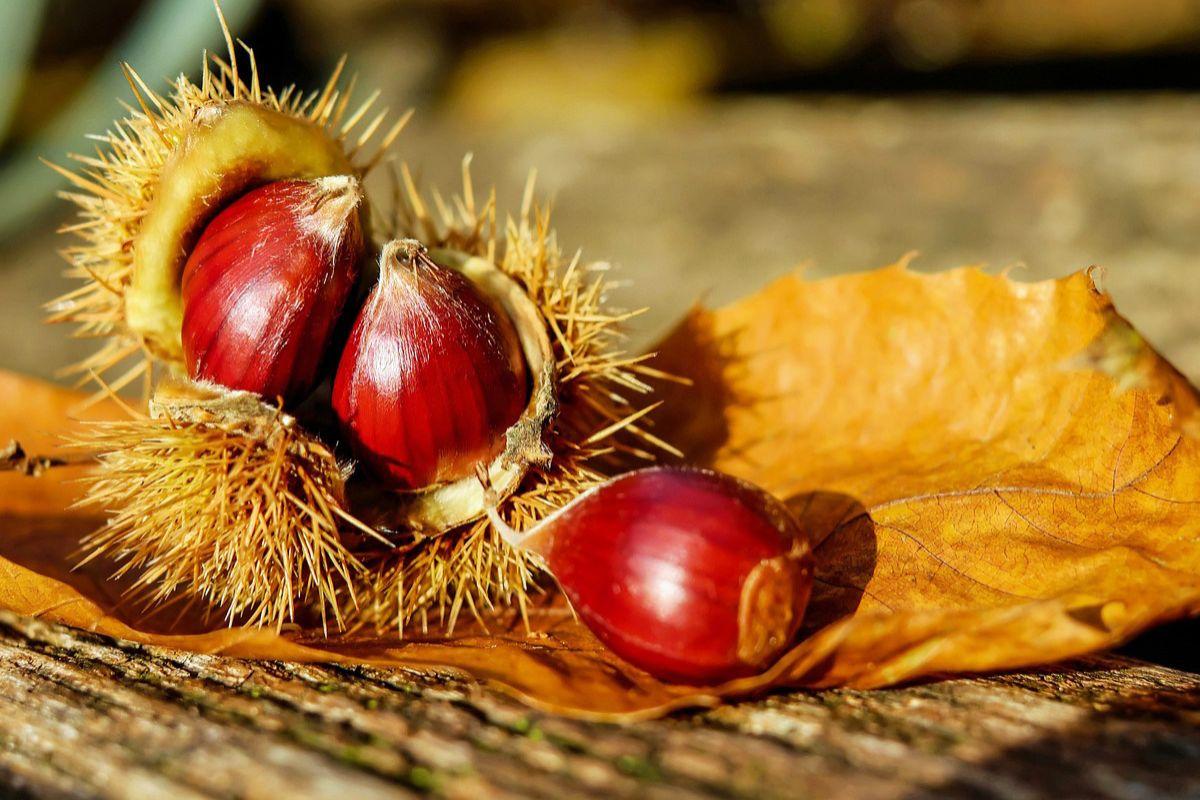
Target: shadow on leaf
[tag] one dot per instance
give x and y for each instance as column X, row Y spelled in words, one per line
column 843, row 539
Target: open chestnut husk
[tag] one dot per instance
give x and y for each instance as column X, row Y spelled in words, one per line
column 584, row 410
column 165, row 271
column 692, row 575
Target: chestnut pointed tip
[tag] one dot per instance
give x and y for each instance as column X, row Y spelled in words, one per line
column 339, row 184
column 400, row 252
column 335, row 198
column 339, row 188
column 208, row 113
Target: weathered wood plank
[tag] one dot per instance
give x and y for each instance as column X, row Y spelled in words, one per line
column 86, row 716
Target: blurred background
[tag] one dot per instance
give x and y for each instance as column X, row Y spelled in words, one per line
column 702, row 147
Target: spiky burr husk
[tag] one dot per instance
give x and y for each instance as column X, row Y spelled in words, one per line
column 217, row 543
column 428, row 581
column 115, row 189
column 221, row 496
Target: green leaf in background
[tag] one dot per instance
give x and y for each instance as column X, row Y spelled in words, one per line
column 161, row 42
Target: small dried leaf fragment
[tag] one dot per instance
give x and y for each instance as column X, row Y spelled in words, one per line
column 984, row 489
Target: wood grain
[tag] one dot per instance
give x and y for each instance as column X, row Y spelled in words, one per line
column 87, row 716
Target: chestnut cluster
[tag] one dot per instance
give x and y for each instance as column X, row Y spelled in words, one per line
column 689, row 574
column 431, row 374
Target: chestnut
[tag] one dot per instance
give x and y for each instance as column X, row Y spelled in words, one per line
column 266, row 282
column 432, row 375
column 691, row 575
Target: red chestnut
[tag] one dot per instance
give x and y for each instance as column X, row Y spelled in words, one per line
column 432, row 375
column 694, row 576
column 266, row 282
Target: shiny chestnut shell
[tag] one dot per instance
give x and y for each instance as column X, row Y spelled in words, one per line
column 266, row 282
column 694, row 576
column 431, row 377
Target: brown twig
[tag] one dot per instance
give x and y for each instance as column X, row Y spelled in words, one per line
column 13, row 457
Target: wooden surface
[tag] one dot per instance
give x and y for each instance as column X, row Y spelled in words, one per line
column 718, row 201
column 84, row 716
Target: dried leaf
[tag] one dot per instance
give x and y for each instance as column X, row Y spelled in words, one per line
column 981, row 496
column 995, row 474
